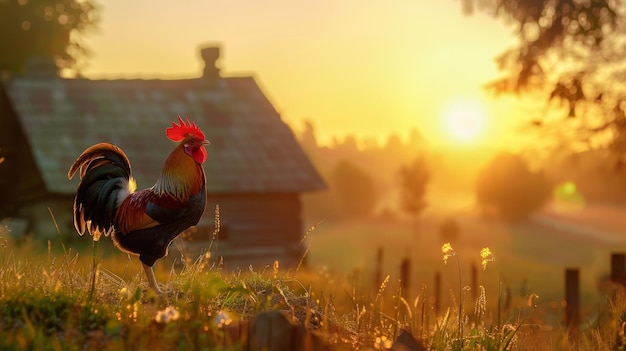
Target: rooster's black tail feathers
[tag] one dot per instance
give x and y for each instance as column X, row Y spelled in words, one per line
column 104, row 171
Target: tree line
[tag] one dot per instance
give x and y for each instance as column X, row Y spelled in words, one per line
column 392, row 180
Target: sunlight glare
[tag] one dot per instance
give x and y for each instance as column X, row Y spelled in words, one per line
column 464, row 121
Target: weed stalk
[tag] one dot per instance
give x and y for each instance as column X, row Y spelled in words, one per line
column 94, row 271
column 58, row 230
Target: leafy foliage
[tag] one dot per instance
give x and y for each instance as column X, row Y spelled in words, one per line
column 380, row 161
column 354, row 187
column 44, row 29
column 507, row 185
column 53, row 312
column 548, row 32
column 414, row 179
column 570, row 52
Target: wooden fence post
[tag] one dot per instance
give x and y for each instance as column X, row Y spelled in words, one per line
column 378, row 270
column 507, row 300
column 618, row 276
column 437, row 293
column 572, row 299
column 356, row 276
column 618, row 268
column 474, row 281
column 405, row 273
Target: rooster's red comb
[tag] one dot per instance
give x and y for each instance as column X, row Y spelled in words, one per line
column 178, row 132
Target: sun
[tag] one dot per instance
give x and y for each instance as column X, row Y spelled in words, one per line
column 464, row 121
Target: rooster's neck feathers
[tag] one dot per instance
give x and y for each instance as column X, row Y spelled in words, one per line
column 181, row 177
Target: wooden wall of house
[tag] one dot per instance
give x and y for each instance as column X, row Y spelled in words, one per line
column 35, row 219
column 20, row 181
column 255, row 229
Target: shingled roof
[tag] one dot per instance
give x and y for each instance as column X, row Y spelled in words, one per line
column 252, row 149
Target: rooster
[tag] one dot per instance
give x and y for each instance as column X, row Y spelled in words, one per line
column 142, row 222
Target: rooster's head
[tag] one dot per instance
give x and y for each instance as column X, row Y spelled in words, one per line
column 191, row 137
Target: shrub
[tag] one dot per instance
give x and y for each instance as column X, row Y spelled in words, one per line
column 508, row 186
column 354, row 188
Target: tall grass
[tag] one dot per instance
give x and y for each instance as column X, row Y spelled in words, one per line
column 47, row 302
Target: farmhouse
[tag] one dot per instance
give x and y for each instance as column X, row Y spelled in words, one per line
column 256, row 171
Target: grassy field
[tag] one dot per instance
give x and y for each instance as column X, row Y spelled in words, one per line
column 529, row 256
column 47, row 300
column 530, row 261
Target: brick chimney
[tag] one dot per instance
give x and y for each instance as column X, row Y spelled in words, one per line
column 210, row 55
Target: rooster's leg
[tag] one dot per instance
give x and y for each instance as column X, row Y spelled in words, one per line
column 151, row 279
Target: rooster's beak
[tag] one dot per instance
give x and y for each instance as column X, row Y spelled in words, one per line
column 206, row 142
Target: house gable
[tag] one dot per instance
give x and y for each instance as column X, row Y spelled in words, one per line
column 252, row 149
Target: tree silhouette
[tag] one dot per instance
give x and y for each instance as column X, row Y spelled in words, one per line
column 571, row 52
column 509, row 187
column 307, row 137
column 550, row 31
column 414, row 179
column 44, row 29
column 354, row 188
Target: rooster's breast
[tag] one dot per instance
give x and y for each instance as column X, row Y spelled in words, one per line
column 173, row 217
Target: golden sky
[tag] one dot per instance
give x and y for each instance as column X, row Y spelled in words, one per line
column 351, row 66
